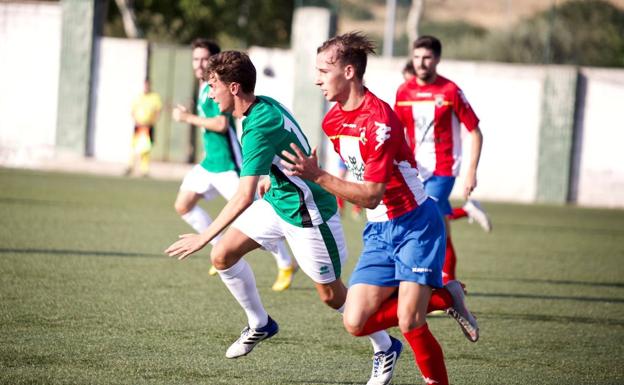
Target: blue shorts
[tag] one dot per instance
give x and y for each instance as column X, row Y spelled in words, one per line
column 440, row 187
column 408, row 248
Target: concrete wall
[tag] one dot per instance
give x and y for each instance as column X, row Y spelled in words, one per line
column 30, row 41
column 120, row 68
column 598, row 164
column 508, row 98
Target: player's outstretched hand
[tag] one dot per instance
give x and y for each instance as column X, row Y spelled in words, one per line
column 301, row 164
column 185, row 246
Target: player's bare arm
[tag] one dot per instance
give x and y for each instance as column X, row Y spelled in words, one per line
column 216, row 124
column 190, row 243
column 367, row 194
column 475, row 154
column 264, row 184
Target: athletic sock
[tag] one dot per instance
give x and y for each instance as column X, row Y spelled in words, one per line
column 450, row 260
column 380, row 340
column 386, row 316
column 199, row 220
column 458, row 212
column 428, row 355
column 240, row 281
column 441, row 299
column 282, row 256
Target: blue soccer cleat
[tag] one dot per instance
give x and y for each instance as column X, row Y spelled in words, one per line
column 384, row 363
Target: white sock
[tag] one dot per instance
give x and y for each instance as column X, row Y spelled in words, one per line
column 199, row 221
column 240, row 280
column 380, row 340
column 282, row 257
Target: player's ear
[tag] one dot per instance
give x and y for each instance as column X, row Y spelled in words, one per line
column 349, row 71
column 234, row 88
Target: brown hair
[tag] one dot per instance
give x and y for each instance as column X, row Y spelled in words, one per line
column 429, row 42
column 210, row 45
column 233, row 67
column 350, row 48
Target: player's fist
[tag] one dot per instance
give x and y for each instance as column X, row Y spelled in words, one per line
column 179, row 113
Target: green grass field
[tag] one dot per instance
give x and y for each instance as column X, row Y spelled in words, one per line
column 88, row 297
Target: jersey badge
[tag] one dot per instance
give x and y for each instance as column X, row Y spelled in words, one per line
column 439, row 100
column 363, row 135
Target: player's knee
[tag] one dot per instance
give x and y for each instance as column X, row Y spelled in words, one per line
column 409, row 322
column 330, row 298
column 181, row 207
column 218, row 257
column 353, row 327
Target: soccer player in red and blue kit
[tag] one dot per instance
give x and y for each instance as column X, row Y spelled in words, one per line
column 431, row 108
column 404, row 240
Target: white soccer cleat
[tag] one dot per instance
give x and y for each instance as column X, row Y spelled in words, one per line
column 384, row 363
column 467, row 322
column 249, row 338
column 477, row 214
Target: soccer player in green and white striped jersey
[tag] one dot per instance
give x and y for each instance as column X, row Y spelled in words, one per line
column 291, row 208
column 218, row 173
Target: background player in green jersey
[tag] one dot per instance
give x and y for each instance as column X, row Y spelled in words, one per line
column 291, row 208
column 218, row 171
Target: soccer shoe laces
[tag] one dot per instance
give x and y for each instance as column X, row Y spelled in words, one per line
column 382, row 363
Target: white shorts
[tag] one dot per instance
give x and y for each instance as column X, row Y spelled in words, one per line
column 320, row 251
column 209, row 184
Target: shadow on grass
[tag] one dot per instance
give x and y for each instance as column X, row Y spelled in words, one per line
column 323, row 382
column 97, row 253
column 44, row 202
column 553, row 318
column 547, row 297
column 554, row 282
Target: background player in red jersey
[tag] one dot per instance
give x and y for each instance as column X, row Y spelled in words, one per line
column 404, row 237
column 431, row 108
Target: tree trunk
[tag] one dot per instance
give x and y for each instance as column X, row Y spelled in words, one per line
column 413, row 20
column 126, row 7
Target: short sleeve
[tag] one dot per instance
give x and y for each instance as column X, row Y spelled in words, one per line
column 381, row 149
column 258, row 153
column 464, row 111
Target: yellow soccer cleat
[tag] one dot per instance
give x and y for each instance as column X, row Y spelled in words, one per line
column 212, row 271
column 284, row 279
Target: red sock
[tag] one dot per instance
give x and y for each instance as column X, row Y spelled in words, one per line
column 457, row 213
column 450, row 260
column 386, row 316
column 440, row 300
column 428, row 355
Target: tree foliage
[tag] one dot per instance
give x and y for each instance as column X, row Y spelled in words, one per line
column 233, row 23
column 581, row 32
column 577, row 32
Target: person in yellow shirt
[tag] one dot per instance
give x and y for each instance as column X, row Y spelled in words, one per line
column 145, row 112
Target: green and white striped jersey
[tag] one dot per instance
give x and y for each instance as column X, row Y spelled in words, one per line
column 222, row 150
column 268, row 129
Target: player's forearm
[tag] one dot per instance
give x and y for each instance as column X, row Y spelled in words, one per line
column 475, row 150
column 228, row 214
column 216, row 124
column 356, row 193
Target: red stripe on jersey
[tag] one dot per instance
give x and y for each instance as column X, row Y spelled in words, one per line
column 431, row 114
column 371, row 142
